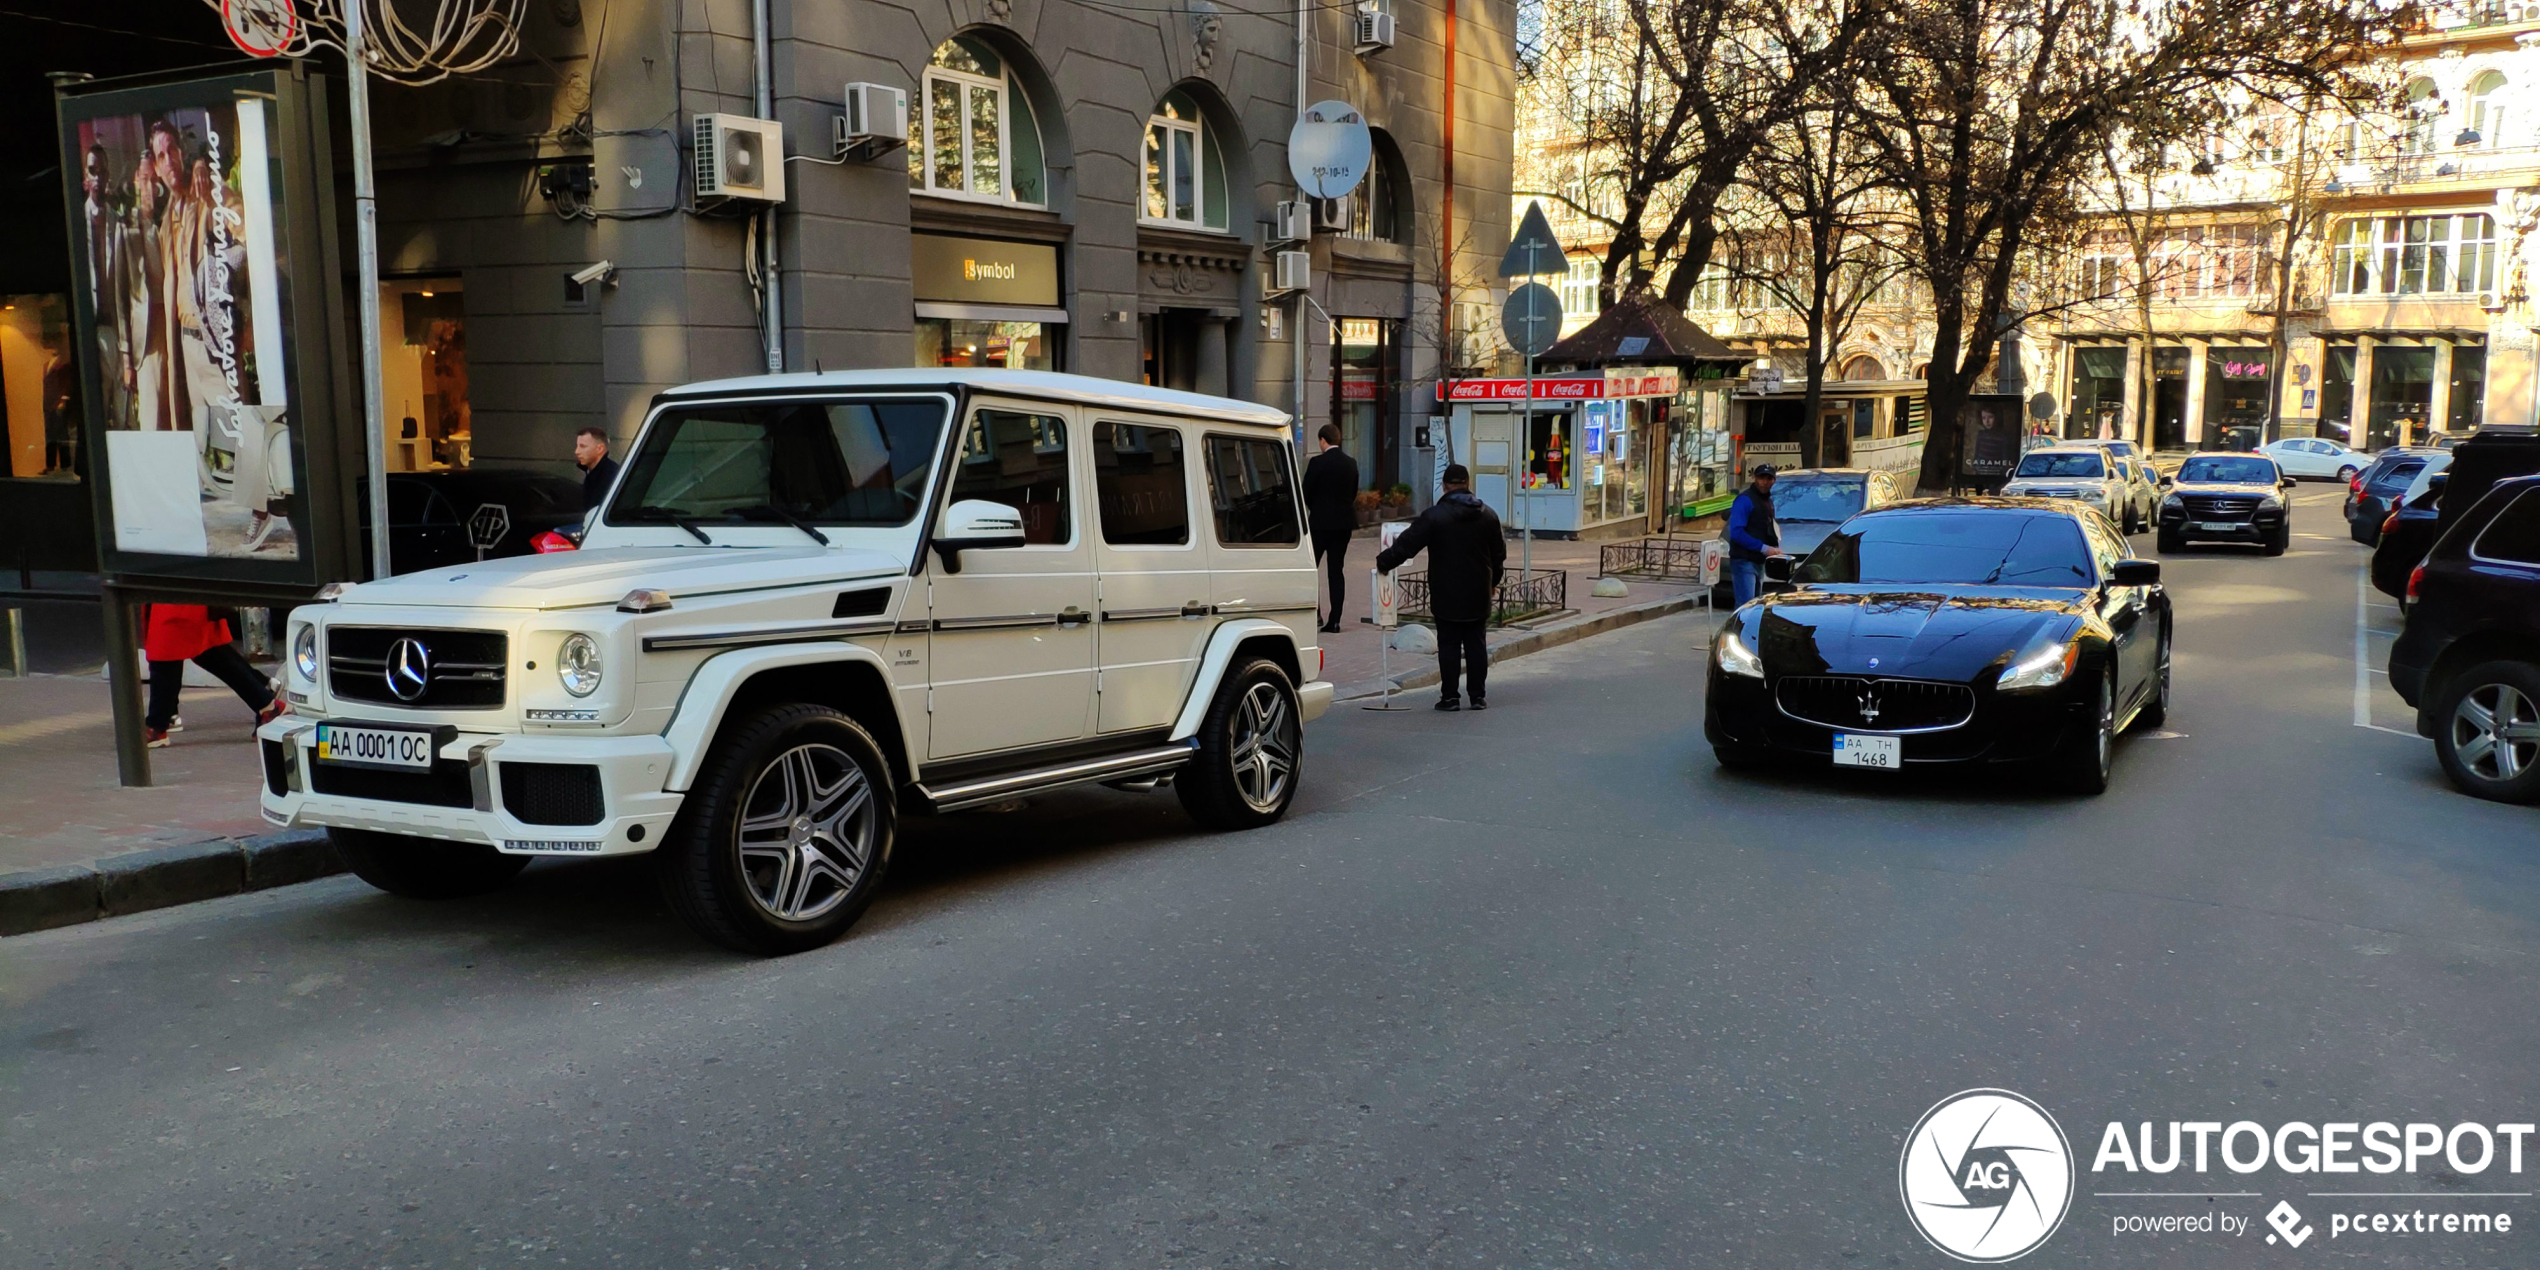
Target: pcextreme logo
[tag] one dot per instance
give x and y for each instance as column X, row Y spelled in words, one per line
column 1987, row 1176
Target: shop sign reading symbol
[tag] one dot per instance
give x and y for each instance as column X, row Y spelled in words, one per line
column 994, row 270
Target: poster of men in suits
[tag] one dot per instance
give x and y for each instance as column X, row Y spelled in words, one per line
column 176, row 246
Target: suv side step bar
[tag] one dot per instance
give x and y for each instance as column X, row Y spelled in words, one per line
column 1162, row 758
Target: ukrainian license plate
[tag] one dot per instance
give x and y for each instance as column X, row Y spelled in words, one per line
column 399, row 748
column 2220, row 526
column 1866, row 751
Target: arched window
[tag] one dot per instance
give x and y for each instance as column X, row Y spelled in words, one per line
column 1863, row 367
column 1186, row 175
column 2424, row 109
column 971, row 131
column 2487, row 110
column 1375, row 213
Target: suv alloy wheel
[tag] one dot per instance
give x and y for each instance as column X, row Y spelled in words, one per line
column 1251, row 751
column 2489, row 731
column 787, row 834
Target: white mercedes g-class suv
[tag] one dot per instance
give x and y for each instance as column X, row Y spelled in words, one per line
column 809, row 602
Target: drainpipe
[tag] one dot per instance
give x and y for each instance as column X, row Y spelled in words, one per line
column 1296, row 327
column 770, row 295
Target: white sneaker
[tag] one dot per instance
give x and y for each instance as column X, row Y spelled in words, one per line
column 263, row 529
column 177, row 724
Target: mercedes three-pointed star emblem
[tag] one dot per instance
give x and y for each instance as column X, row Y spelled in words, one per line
column 409, row 669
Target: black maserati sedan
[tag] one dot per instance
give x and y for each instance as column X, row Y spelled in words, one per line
column 2227, row 498
column 1959, row 630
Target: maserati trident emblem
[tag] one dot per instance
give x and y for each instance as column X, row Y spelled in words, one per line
column 409, row 669
column 1870, row 703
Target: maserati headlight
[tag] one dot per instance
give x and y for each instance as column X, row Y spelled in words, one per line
column 304, row 652
column 1735, row 657
column 2043, row 664
column 578, row 665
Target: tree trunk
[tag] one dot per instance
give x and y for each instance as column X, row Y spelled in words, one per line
column 1944, row 393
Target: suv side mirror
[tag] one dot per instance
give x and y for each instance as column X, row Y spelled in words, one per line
column 2135, row 573
column 2166, row 481
column 975, row 524
column 1777, row 568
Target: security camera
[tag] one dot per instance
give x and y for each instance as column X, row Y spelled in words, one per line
column 589, row 274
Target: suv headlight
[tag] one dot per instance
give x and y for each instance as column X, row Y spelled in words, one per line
column 2271, row 503
column 578, row 665
column 2172, row 503
column 304, row 657
column 2043, row 664
column 1734, row 657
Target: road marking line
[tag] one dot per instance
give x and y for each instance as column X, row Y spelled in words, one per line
column 2363, row 659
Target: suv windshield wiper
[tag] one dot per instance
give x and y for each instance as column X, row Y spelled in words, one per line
column 770, row 509
column 664, row 513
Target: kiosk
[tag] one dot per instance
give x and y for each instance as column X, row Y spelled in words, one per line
column 1589, row 457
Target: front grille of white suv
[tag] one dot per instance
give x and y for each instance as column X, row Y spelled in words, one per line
column 417, row 669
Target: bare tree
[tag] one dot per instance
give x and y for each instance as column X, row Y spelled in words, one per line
column 1988, row 114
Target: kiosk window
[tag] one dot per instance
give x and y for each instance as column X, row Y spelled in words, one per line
column 1248, row 483
column 1019, row 460
column 1140, row 486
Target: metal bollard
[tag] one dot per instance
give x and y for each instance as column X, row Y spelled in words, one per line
column 13, row 641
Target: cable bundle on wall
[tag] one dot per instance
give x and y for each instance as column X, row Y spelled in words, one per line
column 462, row 37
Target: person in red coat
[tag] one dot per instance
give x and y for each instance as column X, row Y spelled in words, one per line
column 179, row 633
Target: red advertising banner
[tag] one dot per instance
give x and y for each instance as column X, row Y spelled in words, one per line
column 1637, row 381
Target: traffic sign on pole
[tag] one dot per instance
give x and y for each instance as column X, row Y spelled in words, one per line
column 1533, row 249
column 1531, row 319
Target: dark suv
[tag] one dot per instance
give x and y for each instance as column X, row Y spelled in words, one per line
column 2469, row 656
column 2369, row 500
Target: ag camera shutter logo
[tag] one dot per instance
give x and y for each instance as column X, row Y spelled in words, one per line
column 1987, row 1176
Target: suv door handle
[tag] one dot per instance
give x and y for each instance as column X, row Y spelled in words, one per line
column 1073, row 616
column 1194, row 609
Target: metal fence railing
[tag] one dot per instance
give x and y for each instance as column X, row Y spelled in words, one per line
column 1516, row 600
column 1678, row 559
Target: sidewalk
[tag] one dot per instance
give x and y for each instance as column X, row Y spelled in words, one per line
column 1351, row 658
column 76, row 846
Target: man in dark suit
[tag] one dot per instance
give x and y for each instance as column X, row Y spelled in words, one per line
column 599, row 471
column 1331, row 511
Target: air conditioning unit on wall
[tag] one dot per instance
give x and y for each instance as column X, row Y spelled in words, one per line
column 1288, row 271
column 1374, row 33
column 1293, row 222
column 1333, row 213
column 740, row 158
column 876, row 120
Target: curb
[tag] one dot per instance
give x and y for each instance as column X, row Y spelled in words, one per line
column 138, row 881
column 1533, row 642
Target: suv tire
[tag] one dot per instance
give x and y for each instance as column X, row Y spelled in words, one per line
column 786, row 836
column 2280, row 539
column 1251, row 751
column 2169, row 541
column 2466, row 731
column 424, row 868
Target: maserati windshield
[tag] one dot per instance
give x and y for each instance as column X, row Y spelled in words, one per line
column 1957, row 546
column 854, row 463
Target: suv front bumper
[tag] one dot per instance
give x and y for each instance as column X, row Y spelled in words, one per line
column 467, row 796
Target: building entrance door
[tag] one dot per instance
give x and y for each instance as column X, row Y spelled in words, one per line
column 2169, row 399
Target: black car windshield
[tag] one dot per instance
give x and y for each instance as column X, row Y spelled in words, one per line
column 1967, row 547
column 821, row 462
column 2088, row 466
column 2203, row 470
column 1829, row 499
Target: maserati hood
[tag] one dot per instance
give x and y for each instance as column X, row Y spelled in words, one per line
column 1945, row 632
column 577, row 579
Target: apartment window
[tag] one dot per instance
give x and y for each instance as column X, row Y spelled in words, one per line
column 972, row 133
column 2350, row 259
column 1185, row 175
column 2487, row 108
column 2420, row 255
column 2423, row 111
column 1373, row 216
column 2104, row 260
column 1578, row 287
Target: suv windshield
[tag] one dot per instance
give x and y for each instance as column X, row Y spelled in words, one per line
column 1819, row 499
column 1964, row 547
column 2087, row 466
column 856, row 463
column 2220, row 471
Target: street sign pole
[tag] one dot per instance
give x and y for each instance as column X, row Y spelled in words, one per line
column 366, row 283
column 1525, row 449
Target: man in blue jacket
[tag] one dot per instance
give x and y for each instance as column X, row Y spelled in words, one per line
column 1753, row 537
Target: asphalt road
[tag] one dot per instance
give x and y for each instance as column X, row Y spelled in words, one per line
column 1538, row 987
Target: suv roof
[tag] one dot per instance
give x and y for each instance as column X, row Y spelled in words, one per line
column 1046, row 385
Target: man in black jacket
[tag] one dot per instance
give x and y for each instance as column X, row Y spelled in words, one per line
column 1331, row 512
column 599, row 471
column 1467, row 554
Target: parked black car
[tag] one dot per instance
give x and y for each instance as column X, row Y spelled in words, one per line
column 2469, row 657
column 2227, row 498
column 438, row 518
column 2368, row 500
column 1960, row 630
column 2407, row 533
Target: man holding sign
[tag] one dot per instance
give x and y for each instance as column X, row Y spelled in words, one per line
column 1467, row 554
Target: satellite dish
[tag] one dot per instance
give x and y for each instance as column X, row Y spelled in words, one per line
column 1329, row 149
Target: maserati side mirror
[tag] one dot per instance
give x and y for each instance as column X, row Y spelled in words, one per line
column 2135, row 573
column 1777, row 568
